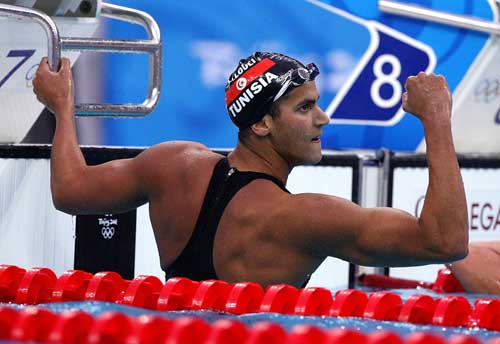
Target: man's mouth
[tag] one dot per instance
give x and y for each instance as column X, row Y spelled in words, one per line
column 316, row 139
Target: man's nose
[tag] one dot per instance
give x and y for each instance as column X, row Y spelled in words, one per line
column 321, row 118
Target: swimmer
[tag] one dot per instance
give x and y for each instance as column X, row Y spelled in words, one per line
column 232, row 218
column 479, row 272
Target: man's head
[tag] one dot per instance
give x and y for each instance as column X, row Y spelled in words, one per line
column 273, row 100
column 259, row 81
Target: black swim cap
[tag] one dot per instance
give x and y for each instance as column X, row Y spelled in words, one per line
column 259, row 81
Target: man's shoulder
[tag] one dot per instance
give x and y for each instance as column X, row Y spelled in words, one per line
column 170, row 162
column 173, row 147
column 177, row 152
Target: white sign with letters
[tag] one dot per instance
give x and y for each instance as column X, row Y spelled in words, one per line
column 482, row 187
column 20, row 53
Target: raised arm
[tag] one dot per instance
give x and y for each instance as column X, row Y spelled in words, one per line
column 390, row 237
column 77, row 188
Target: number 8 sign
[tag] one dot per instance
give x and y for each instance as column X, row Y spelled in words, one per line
column 372, row 94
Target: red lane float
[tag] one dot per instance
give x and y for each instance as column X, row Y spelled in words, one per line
column 36, row 286
column 40, row 325
column 424, row 338
column 110, row 327
column 177, row 294
column 418, row 309
column 211, row 294
column 225, row 331
column 266, row 332
column 149, row 329
column 313, row 301
column 33, row 324
column 71, row 327
column 8, row 317
column 384, row 337
column 40, row 285
column 71, row 286
column 306, row 334
column 446, row 282
column 106, row 286
column 452, row 311
column 188, row 330
column 244, row 297
column 279, row 298
column 143, row 292
column 10, row 278
column 349, row 303
column 463, row 339
column 345, row 336
column 383, row 305
column 486, row 314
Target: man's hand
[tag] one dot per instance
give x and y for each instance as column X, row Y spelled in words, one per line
column 54, row 89
column 428, row 97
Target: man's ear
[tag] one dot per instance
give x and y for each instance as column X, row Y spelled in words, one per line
column 262, row 127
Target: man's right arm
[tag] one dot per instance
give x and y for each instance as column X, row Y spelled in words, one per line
column 76, row 187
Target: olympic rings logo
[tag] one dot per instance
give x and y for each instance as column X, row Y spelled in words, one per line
column 241, row 83
column 108, row 232
column 487, row 90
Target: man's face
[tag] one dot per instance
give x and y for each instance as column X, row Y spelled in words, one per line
column 296, row 131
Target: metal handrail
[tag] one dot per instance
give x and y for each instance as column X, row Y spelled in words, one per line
column 51, row 30
column 152, row 46
column 418, row 12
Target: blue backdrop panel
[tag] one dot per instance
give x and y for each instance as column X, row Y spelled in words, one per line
column 351, row 41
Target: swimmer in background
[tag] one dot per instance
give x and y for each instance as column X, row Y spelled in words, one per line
column 233, row 219
column 479, row 272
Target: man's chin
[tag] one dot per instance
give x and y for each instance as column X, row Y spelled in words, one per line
column 313, row 160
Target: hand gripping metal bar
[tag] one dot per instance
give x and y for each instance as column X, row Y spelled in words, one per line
column 55, row 43
column 418, row 12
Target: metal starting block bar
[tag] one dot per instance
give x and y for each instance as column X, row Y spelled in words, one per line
column 40, row 11
column 419, row 12
column 60, row 8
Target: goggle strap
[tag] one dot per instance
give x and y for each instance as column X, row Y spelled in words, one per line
column 282, row 90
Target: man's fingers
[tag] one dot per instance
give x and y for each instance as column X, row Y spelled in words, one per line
column 405, row 101
column 409, row 81
column 44, row 64
column 65, row 65
column 43, row 67
column 65, row 62
column 405, row 98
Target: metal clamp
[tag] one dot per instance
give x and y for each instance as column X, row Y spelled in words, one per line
column 56, row 43
column 418, row 12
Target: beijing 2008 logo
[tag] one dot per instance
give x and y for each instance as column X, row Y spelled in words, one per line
column 107, row 230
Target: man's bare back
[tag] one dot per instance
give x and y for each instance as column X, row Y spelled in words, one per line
column 176, row 197
column 265, row 234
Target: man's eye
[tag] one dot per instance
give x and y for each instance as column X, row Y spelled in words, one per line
column 305, row 107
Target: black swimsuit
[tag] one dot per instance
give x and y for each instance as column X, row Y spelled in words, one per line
column 196, row 260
